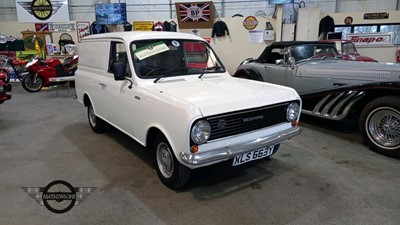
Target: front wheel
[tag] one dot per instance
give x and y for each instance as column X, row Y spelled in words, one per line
column 170, row 171
column 32, row 82
column 380, row 125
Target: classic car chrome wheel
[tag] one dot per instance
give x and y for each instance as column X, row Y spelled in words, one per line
column 170, row 171
column 165, row 162
column 98, row 125
column 384, row 127
column 380, row 125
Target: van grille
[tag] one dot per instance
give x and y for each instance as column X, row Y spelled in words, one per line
column 239, row 122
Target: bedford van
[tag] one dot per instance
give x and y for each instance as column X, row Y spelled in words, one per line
column 171, row 93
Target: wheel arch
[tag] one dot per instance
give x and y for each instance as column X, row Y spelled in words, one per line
column 248, row 74
column 372, row 95
column 86, row 100
column 151, row 135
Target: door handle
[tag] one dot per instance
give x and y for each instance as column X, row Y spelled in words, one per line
column 267, row 67
column 338, row 84
column 102, row 85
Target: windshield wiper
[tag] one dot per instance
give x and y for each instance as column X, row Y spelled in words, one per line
column 168, row 72
column 208, row 69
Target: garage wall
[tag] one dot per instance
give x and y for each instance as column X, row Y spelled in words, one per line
column 382, row 54
column 232, row 49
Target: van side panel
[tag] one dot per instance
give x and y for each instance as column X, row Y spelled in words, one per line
column 92, row 69
column 89, row 54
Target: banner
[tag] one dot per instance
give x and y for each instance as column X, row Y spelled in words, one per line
column 42, row 11
column 371, row 39
column 195, row 14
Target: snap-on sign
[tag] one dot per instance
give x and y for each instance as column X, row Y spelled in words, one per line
column 371, row 39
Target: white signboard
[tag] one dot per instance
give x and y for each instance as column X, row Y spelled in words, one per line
column 371, row 39
column 256, row 36
column 61, row 27
column 42, row 11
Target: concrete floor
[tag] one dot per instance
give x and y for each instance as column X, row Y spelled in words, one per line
column 323, row 176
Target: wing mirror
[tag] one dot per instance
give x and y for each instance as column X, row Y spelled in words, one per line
column 119, row 71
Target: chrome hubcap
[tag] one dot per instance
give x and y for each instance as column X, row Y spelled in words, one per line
column 384, row 127
column 165, row 160
column 92, row 116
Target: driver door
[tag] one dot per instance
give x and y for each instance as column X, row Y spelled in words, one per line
column 118, row 99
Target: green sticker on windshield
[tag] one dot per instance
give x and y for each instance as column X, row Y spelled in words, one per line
column 150, row 50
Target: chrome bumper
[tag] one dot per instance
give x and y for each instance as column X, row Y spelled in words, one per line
column 200, row 159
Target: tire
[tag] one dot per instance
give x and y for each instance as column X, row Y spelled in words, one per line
column 32, row 82
column 170, row 171
column 248, row 74
column 98, row 125
column 380, row 125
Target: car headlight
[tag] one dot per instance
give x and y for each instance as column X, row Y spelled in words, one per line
column 292, row 111
column 201, row 132
column 1, row 88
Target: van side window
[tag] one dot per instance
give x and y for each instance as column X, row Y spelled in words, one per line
column 118, row 55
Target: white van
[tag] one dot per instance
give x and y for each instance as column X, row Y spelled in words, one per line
column 170, row 92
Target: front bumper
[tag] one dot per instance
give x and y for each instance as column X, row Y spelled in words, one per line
column 230, row 149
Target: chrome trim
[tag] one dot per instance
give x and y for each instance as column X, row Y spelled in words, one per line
column 199, row 159
column 342, row 100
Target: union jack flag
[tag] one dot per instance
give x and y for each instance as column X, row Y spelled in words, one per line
column 194, row 12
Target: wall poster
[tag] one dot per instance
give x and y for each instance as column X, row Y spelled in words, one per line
column 82, row 29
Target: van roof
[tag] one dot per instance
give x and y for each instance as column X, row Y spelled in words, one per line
column 142, row 35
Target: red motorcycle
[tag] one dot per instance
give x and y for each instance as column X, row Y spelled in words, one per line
column 17, row 65
column 40, row 71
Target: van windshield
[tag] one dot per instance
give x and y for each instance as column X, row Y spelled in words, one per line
column 172, row 57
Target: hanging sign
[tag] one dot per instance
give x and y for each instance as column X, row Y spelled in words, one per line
column 42, row 11
column 250, row 22
column 143, row 25
column 376, row 16
column 61, row 27
column 195, row 14
column 371, row 39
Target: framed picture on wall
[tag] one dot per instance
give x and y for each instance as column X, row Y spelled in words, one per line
column 195, row 14
column 82, row 29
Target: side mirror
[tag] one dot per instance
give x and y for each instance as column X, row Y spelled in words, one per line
column 119, row 70
column 291, row 61
column 279, row 62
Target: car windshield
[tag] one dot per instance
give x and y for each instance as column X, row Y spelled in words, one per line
column 309, row 52
column 349, row 48
column 154, row 59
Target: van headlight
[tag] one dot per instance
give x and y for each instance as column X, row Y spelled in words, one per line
column 201, row 132
column 292, row 111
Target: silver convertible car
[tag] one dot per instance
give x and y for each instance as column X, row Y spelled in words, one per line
column 336, row 89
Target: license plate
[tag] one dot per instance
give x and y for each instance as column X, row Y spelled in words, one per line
column 254, row 155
